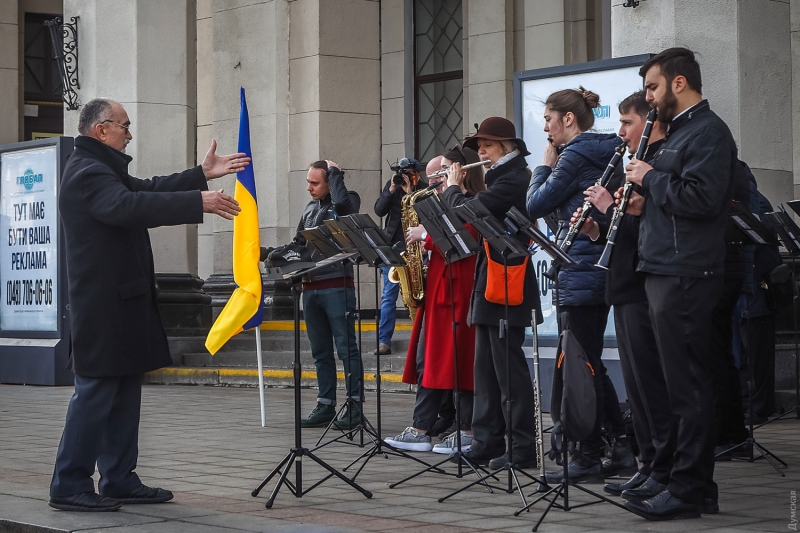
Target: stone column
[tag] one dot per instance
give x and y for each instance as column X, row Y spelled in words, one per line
column 746, row 65
column 489, row 61
column 9, row 72
column 335, row 99
column 561, row 32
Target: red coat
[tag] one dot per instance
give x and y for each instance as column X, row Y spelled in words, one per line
column 437, row 315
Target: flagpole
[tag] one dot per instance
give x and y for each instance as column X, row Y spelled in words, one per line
column 260, row 376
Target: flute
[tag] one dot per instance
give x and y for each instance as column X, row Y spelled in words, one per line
column 463, row 167
column 611, row 237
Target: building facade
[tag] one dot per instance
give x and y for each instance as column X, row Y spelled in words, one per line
column 365, row 82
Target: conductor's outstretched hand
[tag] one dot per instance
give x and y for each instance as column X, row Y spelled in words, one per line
column 216, row 166
column 219, row 203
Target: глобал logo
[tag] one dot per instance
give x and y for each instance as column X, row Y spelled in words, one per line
column 29, row 179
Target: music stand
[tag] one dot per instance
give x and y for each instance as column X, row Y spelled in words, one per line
column 492, row 230
column 749, row 229
column 297, row 452
column 789, row 235
column 455, row 243
column 369, row 242
column 322, row 239
column 517, row 222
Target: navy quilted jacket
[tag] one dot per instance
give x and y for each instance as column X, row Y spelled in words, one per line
column 560, row 189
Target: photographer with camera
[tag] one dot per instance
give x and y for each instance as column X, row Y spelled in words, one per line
column 389, row 206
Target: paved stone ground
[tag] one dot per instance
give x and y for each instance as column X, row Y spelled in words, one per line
column 206, row 444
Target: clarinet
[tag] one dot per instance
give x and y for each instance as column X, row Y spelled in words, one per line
column 611, row 237
column 574, row 229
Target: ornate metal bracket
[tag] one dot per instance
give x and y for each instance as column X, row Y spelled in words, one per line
column 64, row 36
column 632, row 3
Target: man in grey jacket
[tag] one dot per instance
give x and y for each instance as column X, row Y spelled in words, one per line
column 329, row 300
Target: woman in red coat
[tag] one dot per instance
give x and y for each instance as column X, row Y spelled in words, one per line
column 429, row 363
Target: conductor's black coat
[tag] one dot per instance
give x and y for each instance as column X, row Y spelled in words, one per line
column 105, row 212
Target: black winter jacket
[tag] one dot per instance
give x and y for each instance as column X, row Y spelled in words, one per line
column 581, row 162
column 624, row 284
column 340, row 202
column 688, row 196
column 389, row 207
column 105, row 213
column 505, row 188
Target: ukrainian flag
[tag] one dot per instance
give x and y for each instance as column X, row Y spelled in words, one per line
column 245, row 309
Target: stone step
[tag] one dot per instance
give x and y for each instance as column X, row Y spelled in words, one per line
column 283, row 360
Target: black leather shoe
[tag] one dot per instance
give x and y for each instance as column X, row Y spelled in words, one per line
column 634, row 482
column 580, row 468
column 664, row 506
column 710, row 506
column 472, row 457
column 145, row 494
column 620, row 461
column 86, row 501
column 519, row 462
column 645, row 491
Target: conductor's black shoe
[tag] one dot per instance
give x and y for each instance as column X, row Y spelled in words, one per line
column 472, row 457
column 617, row 488
column 621, row 461
column 86, row 501
column 710, row 506
column 580, row 468
column 351, row 417
column 664, row 506
column 519, row 462
column 145, row 494
column 645, row 491
column 319, row 417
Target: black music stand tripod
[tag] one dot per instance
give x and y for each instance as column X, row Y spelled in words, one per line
column 479, row 217
column 369, row 242
column 454, row 242
column 517, row 222
column 297, row 452
column 751, row 231
column 322, row 238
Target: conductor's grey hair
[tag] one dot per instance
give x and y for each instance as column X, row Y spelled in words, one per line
column 94, row 112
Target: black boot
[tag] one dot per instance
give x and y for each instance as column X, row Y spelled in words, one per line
column 620, row 460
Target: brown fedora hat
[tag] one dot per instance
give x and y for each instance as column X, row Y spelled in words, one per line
column 496, row 129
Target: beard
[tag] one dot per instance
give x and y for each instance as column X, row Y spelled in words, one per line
column 667, row 107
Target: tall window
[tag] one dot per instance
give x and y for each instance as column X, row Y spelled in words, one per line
column 438, row 76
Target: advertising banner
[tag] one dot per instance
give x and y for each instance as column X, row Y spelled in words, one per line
column 29, row 240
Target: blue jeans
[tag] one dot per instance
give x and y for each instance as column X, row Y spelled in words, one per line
column 388, row 308
column 330, row 319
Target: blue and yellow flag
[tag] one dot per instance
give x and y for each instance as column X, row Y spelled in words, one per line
column 245, row 309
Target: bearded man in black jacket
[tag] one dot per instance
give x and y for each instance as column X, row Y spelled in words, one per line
column 117, row 333
column 688, row 191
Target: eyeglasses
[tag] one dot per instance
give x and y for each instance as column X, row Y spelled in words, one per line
column 126, row 128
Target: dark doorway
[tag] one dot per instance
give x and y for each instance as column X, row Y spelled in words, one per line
column 44, row 107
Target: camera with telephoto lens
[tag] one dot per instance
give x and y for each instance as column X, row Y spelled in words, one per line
column 404, row 167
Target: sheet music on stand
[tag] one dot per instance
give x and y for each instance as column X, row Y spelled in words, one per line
column 787, row 230
column 475, row 213
column 517, row 222
column 449, row 235
column 746, row 224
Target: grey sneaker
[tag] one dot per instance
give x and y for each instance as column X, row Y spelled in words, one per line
column 410, row 440
column 448, row 445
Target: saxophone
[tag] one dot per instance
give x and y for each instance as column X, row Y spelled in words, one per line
column 412, row 277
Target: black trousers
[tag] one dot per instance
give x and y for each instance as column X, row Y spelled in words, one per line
column 729, row 415
column 588, row 324
column 758, row 337
column 102, row 427
column 431, row 404
column 681, row 313
column 647, row 389
column 489, row 417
